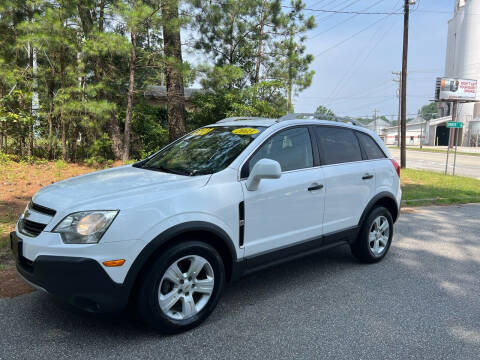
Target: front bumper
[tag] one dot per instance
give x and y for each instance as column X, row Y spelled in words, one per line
column 80, row 281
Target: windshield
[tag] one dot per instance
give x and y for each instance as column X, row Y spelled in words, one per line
column 204, row 151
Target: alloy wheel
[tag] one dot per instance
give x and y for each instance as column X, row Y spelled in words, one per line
column 186, row 287
column 379, row 235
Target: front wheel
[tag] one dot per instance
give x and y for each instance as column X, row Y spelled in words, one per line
column 375, row 236
column 182, row 287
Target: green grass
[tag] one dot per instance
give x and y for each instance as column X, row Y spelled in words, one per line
column 443, row 151
column 422, row 187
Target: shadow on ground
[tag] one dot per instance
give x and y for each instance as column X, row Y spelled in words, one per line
column 420, row 302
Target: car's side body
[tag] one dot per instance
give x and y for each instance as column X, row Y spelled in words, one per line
column 303, row 211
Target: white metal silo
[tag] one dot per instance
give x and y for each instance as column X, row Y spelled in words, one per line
column 463, row 52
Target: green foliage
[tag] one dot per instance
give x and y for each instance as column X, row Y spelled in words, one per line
column 220, row 100
column 60, row 165
column 429, row 112
column 149, row 125
column 5, row 158
column 75, row 57
column 101, row 148
column 323, row 110
column 292, row 65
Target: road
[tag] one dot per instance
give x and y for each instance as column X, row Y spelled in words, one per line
column 466, row 165
column 420, row 302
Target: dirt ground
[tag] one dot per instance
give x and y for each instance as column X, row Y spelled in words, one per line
column 18, row 182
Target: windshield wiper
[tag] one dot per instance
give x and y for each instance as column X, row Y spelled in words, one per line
column 167, row 170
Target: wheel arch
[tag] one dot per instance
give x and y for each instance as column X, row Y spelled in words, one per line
column 384, row 199
column 204, row 231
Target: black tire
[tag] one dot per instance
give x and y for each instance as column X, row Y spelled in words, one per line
column 148, row 292
column 361, row 248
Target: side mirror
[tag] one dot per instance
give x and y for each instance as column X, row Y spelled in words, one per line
column 263, row 169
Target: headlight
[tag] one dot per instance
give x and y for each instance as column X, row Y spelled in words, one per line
column 85, row 227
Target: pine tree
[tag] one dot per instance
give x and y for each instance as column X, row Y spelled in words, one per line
column 292, row 64
column 173, row 69
column 134, row 14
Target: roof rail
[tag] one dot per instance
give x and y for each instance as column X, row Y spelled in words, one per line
column 308, row 116
column 239, row 118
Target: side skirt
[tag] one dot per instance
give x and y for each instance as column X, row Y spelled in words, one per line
column 258, row 262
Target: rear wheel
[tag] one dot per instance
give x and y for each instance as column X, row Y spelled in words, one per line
column 182, row 287
column 375, row 236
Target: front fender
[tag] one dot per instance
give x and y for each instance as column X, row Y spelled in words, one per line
column 171, row 233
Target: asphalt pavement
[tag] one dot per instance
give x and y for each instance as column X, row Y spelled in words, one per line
column 466, row 165
column 421, row 302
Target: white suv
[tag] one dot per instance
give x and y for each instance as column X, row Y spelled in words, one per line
column 166, row 233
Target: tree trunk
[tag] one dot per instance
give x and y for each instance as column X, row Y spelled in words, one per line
column 173, row 70
column 1, row 124
column 32, row 110
column 290, row 75
column 259, row 50
column 1, row 135
column 289, row 96
column 51, row 95
column 115, row 136
column 62, row 117
column 131, row 88
column 64, row 137
column 50, row 128
column 86, row 19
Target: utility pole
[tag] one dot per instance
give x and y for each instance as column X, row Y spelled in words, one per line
column 399, row 81
column 403, row 120
column 375, row 121
column 421, row 132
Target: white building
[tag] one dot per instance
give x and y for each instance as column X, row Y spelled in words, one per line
column 416, row 132
column 432, row 132
column 463, row 61
column 378, row 126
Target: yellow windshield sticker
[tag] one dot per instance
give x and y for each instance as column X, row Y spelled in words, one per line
column 202, row 131
column 245, row 131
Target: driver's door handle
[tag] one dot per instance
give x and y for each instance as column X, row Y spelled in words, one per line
column 367, row 176
column 315, row 187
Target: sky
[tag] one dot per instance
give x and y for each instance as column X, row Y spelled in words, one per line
column 356, row 54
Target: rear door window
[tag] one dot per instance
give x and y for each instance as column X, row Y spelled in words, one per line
column 337, row 145
column 371, row 148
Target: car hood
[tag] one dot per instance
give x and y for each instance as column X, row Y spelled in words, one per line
column 115, row 183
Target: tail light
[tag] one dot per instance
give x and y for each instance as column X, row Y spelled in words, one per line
column 396, row 166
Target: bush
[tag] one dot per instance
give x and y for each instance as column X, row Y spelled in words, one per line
column 5, row 158
column 149, row 130
column 98, row 162
column 101, row 148
column 60, row 164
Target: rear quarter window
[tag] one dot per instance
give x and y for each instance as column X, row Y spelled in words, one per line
column 370, row 146
column 337, row 145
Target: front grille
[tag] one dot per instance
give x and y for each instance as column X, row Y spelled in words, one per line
column 42, row 209
column 31, row 228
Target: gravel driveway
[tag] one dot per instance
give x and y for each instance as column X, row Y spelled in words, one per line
column 421, row 302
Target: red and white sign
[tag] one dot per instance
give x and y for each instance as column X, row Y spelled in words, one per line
column 457, row 89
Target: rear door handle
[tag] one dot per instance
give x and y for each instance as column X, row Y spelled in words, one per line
column 315, row 187
column 367, row 176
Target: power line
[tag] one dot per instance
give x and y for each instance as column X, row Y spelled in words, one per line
column 358, row 62
column 352, row 36
column 325, row 18
column 348, row 12
column 342, row 22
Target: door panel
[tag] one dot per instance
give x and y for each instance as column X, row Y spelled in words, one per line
column 283, row 211
column 346, row 194
column 349, row 180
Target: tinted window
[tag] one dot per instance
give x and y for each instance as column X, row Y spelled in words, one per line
column 338, row 145
column 371, row 148
column 204, row 151
column 292, row 148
